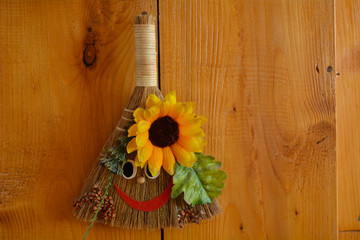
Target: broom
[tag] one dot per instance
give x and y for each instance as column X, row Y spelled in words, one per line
column 115, row 211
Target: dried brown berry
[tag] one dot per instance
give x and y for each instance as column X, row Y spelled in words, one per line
column 106, row 211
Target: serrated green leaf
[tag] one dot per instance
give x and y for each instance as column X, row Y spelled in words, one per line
column 115, row 156
column 201, row 183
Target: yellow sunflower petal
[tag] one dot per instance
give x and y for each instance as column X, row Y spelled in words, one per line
column 176, row 110
column 203, row 119
column 151, row 114
column 144, row 153
column 203, row 142
column 189, row 107
column 152, row 100
column 182, row 156
column 169, row 160
column 190, row 144
column 171, row 98
column 142, row 139
column 138, row 163
column 131, row 147
column 193, row 158
column 143, row 126
column 191, row 131
column 139, row 114
column 187, row 119
column 155, row 161
column 164, row 109
column 132, row 130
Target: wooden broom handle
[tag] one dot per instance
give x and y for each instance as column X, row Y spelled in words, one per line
column 145, row 50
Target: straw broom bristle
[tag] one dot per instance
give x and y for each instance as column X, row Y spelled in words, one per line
column 125, row 216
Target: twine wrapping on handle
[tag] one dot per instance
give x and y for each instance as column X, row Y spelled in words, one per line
column 145, row 55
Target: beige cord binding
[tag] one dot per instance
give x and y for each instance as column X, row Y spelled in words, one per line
column 127, row 119
column 128, row 110
column 145, row 55
column 120, row 129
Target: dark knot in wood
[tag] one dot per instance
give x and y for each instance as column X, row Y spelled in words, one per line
column 89, row 55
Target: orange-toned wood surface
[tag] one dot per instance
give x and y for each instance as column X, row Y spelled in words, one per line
column 261, row 71
column 258, row 71
column 55, row 112
column 349, row 235
column 348, row 116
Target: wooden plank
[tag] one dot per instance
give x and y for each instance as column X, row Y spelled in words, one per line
column 261, row 72
column 55, row 112
column 347, row 112
column 349, row 235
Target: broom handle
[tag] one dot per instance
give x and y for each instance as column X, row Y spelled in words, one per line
column 145, row 50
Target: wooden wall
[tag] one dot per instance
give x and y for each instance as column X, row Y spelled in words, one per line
column 55, row 112
column 263, row 72
column 348, row 117
column 258, row 69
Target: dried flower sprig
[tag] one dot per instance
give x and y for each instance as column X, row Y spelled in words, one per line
column 92, row 221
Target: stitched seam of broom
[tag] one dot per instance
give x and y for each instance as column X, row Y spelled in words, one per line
column 100, row 205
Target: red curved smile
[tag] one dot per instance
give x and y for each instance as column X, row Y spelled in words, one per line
column 150, row 205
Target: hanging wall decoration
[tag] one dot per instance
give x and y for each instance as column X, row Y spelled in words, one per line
column 152, row 172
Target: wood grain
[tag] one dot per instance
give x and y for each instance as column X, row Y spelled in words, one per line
column 258, row 71
column 348, row 113
column 351, row 235
column 55, row 112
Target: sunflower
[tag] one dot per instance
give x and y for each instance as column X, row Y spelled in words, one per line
column 166, row 131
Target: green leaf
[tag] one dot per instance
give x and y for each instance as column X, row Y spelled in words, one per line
column 201, row 183
column 115, row 156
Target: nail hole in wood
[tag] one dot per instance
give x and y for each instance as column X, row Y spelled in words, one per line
column 241, row 227
column 329, row 69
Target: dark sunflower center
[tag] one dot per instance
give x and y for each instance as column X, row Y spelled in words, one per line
column 164, row 132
